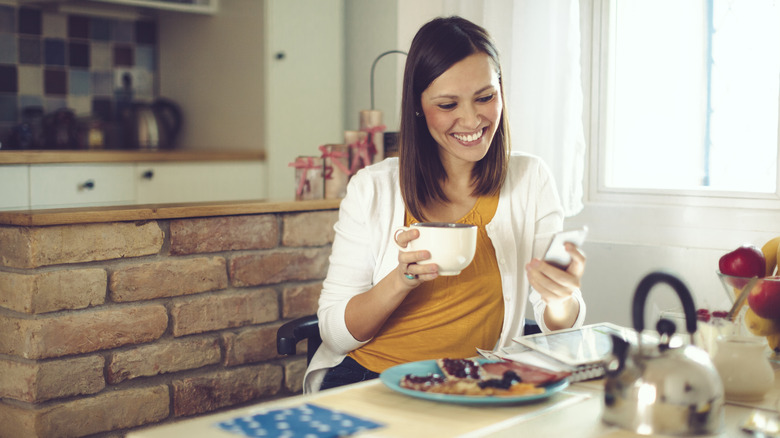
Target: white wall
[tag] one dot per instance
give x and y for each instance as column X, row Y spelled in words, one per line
column 236, row 95
column 615, row 269
column 370, row 30
column 220, row 91
column 630, row 239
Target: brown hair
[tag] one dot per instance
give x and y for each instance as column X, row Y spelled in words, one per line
column 438, row 45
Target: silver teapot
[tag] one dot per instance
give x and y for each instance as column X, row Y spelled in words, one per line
column 653, row 388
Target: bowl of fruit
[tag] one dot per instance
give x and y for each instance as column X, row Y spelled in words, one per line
column 749, row 276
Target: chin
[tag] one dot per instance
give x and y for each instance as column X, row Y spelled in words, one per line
column 473, row 155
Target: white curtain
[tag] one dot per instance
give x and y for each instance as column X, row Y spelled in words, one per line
column 539, row 44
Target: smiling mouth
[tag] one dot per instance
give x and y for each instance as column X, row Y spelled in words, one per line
column 470, row 138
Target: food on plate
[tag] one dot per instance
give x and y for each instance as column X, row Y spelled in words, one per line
column 459, row 369
column 764, row 298
column 422, row 383
column 434, row 384
column 469, row 377
column 746, row 261
column 527, row 373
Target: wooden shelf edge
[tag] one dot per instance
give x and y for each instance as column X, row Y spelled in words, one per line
column 132, row 213
column 109, row 156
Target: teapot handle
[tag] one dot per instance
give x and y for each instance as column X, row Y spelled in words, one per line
column 171, row 115
column 643, row 290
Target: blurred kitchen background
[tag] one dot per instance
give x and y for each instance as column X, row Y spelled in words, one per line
column 283, row 77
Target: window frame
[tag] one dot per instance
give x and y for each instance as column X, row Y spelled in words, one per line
column 657, row 217
column 595, row 33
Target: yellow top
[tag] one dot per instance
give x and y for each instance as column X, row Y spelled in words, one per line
column 448, row 317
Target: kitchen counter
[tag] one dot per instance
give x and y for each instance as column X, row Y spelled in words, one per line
column 124, row 213
column 120, row 156
column 155, row 311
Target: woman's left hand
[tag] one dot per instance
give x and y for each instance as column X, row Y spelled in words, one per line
column 556, row 287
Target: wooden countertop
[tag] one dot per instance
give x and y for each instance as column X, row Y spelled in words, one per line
column 121, row 213
column 117, row 156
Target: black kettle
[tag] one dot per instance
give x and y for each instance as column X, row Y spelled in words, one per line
column 152, row 126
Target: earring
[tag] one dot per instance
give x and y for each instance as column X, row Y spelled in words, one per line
column 416, row 113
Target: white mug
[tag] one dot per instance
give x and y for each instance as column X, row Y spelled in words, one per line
column 451, row 245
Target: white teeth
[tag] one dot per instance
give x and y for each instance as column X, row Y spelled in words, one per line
column 469, row 137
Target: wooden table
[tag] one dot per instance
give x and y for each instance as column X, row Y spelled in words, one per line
column 572, row 413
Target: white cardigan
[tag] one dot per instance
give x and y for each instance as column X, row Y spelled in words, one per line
column 363, row 252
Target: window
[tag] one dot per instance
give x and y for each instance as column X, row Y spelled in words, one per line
column 687, row 97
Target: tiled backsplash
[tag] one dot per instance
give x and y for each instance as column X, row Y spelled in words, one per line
column 87, row 64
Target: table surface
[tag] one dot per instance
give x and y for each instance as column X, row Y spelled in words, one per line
column 573, row 413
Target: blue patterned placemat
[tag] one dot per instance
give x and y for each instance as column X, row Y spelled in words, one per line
column 307, row 421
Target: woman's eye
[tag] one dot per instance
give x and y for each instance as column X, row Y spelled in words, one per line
column 447, row 106
column 485, row 99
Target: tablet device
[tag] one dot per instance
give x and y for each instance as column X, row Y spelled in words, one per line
column 590, row 344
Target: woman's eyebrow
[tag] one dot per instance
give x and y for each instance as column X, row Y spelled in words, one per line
column 483, row 89
column 452, row 96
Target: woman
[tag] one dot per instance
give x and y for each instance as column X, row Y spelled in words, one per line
column 378, row 306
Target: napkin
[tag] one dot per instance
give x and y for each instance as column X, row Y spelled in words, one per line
column 308, row 421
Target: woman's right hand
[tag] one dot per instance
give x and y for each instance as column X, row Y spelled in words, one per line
column 412, row 273
column 367, row 312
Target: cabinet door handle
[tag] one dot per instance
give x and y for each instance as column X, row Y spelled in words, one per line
column 148, row 174
column 87, row 185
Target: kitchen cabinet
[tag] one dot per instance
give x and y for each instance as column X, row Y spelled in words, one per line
column 43, row 179
column 304, row 84
column 197, row 182
column 81, row 185
column 14, row 187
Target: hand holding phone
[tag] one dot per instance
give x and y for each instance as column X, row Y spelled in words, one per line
column 556, row 253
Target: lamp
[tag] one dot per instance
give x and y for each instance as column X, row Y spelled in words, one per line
column 371, row 120
column 373, row 67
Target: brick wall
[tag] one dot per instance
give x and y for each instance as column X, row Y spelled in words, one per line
column 110, row 327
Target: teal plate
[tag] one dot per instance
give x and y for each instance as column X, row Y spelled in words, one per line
column 392, row 379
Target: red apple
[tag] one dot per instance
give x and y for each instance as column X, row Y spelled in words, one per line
column 764, row 299
column 746, row 261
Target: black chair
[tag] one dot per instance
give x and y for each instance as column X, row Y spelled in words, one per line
column 306, row 327
column 292, row 332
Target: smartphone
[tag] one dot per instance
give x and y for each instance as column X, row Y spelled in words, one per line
column 556, row 253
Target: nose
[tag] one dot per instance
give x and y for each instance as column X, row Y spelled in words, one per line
column 469, row 116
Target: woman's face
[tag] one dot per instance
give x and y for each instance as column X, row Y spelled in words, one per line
column 462, row 108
